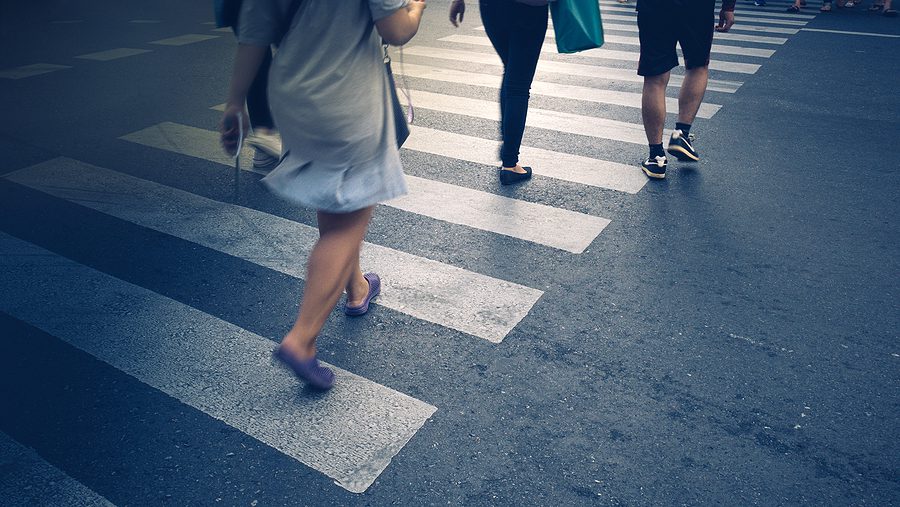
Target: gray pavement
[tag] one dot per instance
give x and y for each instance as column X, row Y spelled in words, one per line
column 726, row 336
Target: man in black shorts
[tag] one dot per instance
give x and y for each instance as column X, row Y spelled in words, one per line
column 662, row 24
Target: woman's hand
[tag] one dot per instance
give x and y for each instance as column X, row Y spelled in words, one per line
column 235, row 122
column 457, row 12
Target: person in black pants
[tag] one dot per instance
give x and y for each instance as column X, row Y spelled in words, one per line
column 264, row 138
column 516, row 30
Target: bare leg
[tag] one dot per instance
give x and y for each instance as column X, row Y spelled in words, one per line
column 331, row 264
column 653, row 106
column 691, row 95
column 358, row 287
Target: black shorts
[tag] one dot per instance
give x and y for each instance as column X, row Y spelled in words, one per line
column 663, row 23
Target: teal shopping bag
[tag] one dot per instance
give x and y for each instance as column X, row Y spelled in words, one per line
column 577, row 25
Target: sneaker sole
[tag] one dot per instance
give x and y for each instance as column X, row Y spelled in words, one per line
column 682, row 154
column 657, row 176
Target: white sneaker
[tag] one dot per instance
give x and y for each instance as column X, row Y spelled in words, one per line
column 269, row 143
column 263, row 161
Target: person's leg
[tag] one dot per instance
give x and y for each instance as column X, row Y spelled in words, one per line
column 653, row 106
column 258, row 98
column 529, row 27
column 691, row 94
column 357, row 287
column 495, row 18
column 332, row 262
column 695, row 35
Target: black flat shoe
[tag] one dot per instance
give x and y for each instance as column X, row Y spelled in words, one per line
column 508, row 177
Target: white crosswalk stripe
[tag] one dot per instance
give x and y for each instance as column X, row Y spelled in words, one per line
column 563, row 166
column 716, row 48
column 449, row 296
column 628, row 56
column 744, row 16
column 602, row 96
column 728, row 36
column 569, row 123
column 742, row 10
column 553, row 227
column 736, row 27
column 29, row 480
column 562, row 68
column 211, row 365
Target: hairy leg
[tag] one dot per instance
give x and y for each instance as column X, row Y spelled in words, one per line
column 653, row 106
column 691, row 95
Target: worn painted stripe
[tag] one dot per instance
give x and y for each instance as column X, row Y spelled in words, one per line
column 844, row 32
column 559, row 121
column 743, row 9
column 145, row 21
column 29, row 480
column 598, row 95
column 429, row 290
column 743, row 16
column 552, row 164
column 737, row 26
column 113, row 54
column 562, row 166
column 183, row 40
column 35, row 69
column 350, row 434
column 553, row 67
column 775, row 9
column 718, row 35
column 538, row 223
column 609, row 54
column 716, row 48
column 554, row 227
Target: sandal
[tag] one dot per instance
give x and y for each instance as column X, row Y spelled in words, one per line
column 793, row 8
column 890, row 13
column 307, row 370
column 826, row 7
column 850, row 4
column 876, row 7
column 374, row 290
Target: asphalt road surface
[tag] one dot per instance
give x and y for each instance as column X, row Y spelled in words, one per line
column 726, row 336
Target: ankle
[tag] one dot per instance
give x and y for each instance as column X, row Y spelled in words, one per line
column 685, row 128
column 298, row 346
column 358, row 290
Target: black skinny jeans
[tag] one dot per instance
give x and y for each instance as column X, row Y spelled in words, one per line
column 517, row 33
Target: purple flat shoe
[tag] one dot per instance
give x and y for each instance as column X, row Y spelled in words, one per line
column 308, row 370
column 374, row 290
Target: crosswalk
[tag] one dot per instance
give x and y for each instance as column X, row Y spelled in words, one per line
column 108, row 317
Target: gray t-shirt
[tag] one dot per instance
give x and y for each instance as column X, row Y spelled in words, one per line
column 328, row 90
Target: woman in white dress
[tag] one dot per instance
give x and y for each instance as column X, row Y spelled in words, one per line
column 329, row 96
